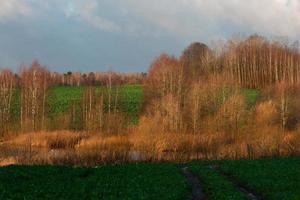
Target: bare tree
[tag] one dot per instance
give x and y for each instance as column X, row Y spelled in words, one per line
column 7, row 86
column 34, row 85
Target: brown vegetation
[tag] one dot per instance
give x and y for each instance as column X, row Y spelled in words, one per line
column 67, row 148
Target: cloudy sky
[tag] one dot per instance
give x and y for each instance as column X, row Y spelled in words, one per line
column 126, row 35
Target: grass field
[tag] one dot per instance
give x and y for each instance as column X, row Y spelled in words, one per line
column 215, row 186
column 61, row 98
column 143, row 181
column 130, row 99
column 271, row 179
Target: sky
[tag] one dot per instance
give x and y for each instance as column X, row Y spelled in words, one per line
column 126, row 35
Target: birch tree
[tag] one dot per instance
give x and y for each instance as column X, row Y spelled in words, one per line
column 34, row 85
column 7, row 88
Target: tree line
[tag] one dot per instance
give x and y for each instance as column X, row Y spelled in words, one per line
column 187, row 93
column 201, row 91
column 80, row 79
column 253, row 62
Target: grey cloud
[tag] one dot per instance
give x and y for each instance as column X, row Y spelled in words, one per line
column 88, row 11
column 10, row 9
column 188, row 18
column 128, row 34
column 182, row 18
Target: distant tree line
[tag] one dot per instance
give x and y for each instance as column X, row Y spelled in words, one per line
column 96, row 78
column 78, row 78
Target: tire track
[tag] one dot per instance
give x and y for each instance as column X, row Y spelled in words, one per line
column 252, row 195
column 197, row 190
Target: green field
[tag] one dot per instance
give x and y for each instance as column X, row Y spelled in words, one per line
column 61, row 98
column 142, row 181
column 251, row 96
column 215, row 186
column 130, row 99
column 271, row 179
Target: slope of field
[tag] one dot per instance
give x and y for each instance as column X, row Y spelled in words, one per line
column 143, row 181
column 61, row 98
column 130, row 99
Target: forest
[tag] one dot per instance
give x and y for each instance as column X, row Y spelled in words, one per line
column 235, row 99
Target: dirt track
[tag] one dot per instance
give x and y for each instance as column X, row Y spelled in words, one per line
column 197, row 190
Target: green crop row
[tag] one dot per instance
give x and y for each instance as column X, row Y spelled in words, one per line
column 142, row 181
column 216, row 186
column 272, row 178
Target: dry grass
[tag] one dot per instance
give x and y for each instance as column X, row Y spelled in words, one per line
column 254, row 140
column 146, row 144
column 51, row 140
column 99, row 149
column 67, row 148
column 8, row 161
